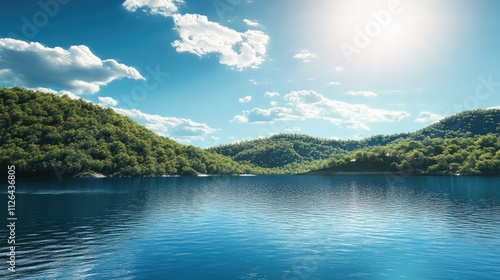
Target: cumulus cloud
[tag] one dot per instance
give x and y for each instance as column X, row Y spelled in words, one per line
column 165, row 8
column 254, row 82
column 333, row 84
column 291, row 130
column 180, row 129
column 239, row 119
column 271, row 94
column 60, row 93
column 75, row 69
column 245, row 99
column 251, row 23
column 273, row 103
column 305, row 56
column 428, row 118
column 259, row 115
column 494, row 108
column 238, row 50
column 361, row 93
column 107, row 101
column 306, row 105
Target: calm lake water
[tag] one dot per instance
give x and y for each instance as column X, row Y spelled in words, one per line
column 265, row 227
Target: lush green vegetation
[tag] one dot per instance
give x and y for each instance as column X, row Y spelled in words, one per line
column 467, row 156
column 42, row 133
column 292, row 153
column 285, row 153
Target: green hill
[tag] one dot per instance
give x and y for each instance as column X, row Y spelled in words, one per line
column 464, row 124
column 42, row 133
column 292, row 153
column 478, row 155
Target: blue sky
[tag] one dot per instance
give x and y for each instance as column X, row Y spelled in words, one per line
column 215, row 72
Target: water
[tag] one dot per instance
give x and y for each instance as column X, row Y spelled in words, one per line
column 265, row 227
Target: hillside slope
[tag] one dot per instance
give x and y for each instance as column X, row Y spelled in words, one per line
column 41, row 133
column 436, row 156
column 464, row 124
column 294, row 153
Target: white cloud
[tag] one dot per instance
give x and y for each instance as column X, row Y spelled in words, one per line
column 254, row 82
column 156, row 7
column 307, row 105
column 494, row 108
column 290, row 130
column 107, row 101
column 60, row 93
column 339, row 69
column 201, row 37
column 393, row 91
column 428, row 118
column 305, row 55
column 361, row 93
column 76, row 69
column 333, row 84
column 252, row 23
column 245, row 99
column 271, row 94
column 273, row 103
column 239, row 119
column 358, row 136
column 258, row 115
column 180, row 129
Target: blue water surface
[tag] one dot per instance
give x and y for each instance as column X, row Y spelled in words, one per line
column 264, row 227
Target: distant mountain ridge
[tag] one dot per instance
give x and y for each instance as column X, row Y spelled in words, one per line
column 295, row 153
column 464, row 124
column 42, row 134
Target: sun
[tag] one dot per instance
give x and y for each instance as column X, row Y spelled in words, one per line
column 379, row 31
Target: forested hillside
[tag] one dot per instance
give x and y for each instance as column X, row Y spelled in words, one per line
column 437, row 156
column 292, row 153
column 464, row 124
column 41, row 133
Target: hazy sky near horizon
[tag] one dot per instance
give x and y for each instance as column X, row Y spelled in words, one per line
column 216, row 72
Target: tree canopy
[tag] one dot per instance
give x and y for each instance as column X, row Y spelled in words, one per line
column 42, row 133
column 295, row 153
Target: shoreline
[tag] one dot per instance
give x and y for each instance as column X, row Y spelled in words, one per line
column 354, row 173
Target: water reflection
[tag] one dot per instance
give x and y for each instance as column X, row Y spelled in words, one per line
column 266, row 227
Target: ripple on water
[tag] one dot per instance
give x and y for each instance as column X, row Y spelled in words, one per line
column 266, row 227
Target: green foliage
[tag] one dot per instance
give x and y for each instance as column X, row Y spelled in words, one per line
column 285, row 153
column 293, row 153
column 467, row 156
column 41, row 133
column 464, row 124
